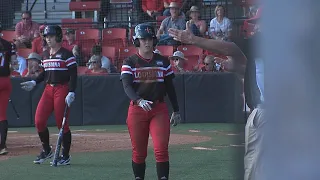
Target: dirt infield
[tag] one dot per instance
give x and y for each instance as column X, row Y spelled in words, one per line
column 23, row 144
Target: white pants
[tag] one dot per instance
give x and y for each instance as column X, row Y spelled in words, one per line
column 253, row 141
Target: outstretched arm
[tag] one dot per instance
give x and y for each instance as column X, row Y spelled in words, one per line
column 217, row 46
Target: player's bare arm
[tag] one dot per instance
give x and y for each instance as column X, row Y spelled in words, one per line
column 217, row 46
column 220, row 47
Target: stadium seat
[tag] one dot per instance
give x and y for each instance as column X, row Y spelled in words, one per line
column 86, row 47
column 166, row 50
column 79, row 23
column 190, row 50
column 159, row 20
column 215, row 54
column 84, row 34
column 124, row 53
column 8, row 35
column 192, row 62
column 85, row 6
column 109, row 52
column 24, row 52
column 114, row 37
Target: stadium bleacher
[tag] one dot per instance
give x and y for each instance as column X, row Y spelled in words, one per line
column 116, row 41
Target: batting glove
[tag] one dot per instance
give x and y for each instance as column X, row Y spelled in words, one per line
column 70, row 98
column 145, row 105
column 175, row 118
column 28, row 85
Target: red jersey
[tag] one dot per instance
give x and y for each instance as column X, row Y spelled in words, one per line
column 59, row 68
column 37, row 45
column 6, row 50
column 148, row 75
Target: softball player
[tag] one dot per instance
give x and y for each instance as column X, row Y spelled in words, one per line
column 6, row 51
column 147, row 78
column 60, row 76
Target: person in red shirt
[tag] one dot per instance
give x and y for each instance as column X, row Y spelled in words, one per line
column 151, row 9
column 71, row 43
column 39, row 44
column 14, row 68
column 95, row 66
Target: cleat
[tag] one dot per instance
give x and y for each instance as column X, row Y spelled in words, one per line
column 63, row 161
column 43, row 156
column 4, row 151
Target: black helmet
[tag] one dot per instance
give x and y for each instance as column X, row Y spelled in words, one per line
column 144, row 31
column 53, row 30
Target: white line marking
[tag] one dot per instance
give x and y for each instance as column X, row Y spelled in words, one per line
column 80, row 130
column 83, row 135
column 232, row 134
column 203, row 148
column 12, row 131
column 194, row 131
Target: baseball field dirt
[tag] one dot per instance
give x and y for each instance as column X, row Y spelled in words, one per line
column 86, row 141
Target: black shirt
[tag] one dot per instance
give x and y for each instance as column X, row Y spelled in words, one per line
column 59, row 68
column 149, row 79
column 6, row 50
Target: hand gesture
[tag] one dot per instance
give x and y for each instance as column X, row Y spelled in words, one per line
column 184, row 36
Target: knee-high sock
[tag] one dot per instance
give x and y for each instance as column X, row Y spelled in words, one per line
column 3, row 133
column 139, row 170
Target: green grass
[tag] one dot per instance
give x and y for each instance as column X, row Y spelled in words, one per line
column 185, row 162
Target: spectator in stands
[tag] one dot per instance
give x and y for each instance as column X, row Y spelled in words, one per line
column 179, row 62
column 22, row 65
column 71, row 43
column 95, row 66
column 166, row 4
column 33, row 70
column 39, row 44
column 187, row 4
column 26, row 30
column 151, row 9
column 220, row 26
column 14, row 67
column 198, row 27
column 212, row 64
column 105, row 62
column 173, row 21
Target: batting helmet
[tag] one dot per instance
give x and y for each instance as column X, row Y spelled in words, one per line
column 144, row 31
column 53, row 30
